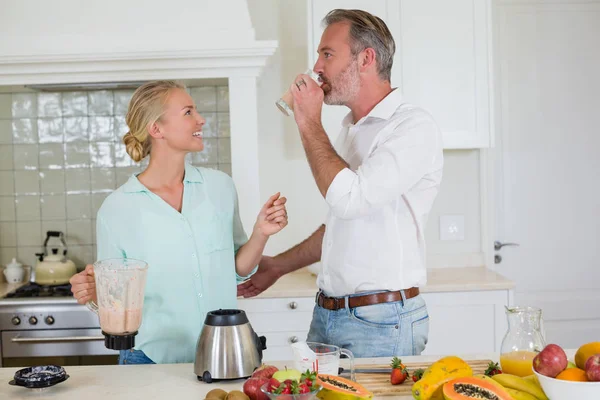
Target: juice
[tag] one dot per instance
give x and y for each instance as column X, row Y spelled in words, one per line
column 518, row 363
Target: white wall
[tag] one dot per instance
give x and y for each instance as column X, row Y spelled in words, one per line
column 283, row 165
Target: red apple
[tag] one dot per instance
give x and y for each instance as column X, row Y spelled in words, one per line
column 273, row 384
column 592, row 368
column 551, row 361
column 252, row 388
column 264, row 371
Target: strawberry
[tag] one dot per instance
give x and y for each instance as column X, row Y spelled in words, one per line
column 417, row 374
column 493, row 369
column 399, row 372
column 303, row 388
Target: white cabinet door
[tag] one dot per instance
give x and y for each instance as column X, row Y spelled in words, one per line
column 442, row 62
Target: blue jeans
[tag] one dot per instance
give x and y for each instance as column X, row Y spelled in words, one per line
column 133, row 356
column 381, row 330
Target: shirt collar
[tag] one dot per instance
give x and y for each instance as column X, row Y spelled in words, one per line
column 384, row 109
column 192, row 175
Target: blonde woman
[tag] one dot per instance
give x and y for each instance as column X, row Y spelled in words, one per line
column 183, row 221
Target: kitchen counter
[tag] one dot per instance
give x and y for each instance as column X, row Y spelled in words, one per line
column 175, row 381
column 6, row 288
column 303, row 284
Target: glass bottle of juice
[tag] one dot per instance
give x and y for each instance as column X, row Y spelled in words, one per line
column 523, row 340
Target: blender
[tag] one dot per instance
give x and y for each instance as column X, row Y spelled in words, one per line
column 120, row 287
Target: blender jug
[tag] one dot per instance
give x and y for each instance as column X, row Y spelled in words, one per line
column 120, row 287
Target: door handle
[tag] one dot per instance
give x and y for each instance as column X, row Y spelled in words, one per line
column 498, row 245
column 56, row 339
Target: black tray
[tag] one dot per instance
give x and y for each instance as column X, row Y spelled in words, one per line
column 38, row 377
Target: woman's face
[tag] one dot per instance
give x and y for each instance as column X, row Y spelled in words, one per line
column 180, row 125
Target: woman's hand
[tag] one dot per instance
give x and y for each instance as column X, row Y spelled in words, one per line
column 272, row 217
column 83, row 285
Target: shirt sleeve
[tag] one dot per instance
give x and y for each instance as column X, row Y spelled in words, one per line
column 107, row 246
column 402, row 159
column 239, row 235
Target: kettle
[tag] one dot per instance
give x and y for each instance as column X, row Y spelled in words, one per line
column 54, row 269
column 228, row 347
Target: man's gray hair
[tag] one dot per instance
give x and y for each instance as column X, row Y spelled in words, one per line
column 367, row 31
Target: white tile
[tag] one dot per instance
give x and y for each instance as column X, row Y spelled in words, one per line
column 223, row 124
column 24, row 105
column 26, row 156
column 8, row 234
column 26, row 254
column 77, row 180
column 79, row 206
column 77, row 155
column 24, row 131
column 225, row 168
column 97, row 200
column 79, row 232
column 120, row 128
column 122, row 159
column 29, row 233
column 81, row 255
column 52, row 181
column 123, row 174
column 76, row 129
column 54, row 207
column 101, row 129
column 52, row 156
column 6, row 157
column 7, row 183
column 74, row 104
column 5, row 106
column 6, row 131
column 28, row 208
column 7, row 208
column 222, row 98
column 209, row 130
column 58, row 225
column 50, row 130
column 100, row 102
column 224, row 151
column 102, row 154
column 27, row 182
column 7, row 254
column 205, row 98
column 49, row 105
column 103, row 179
column 209, row 155
column 121, row 101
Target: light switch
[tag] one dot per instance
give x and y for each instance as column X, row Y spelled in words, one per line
column 452, row 227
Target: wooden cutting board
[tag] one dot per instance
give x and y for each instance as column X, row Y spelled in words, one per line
column 380, row 385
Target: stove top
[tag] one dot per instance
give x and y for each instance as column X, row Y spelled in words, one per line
column 35, row 290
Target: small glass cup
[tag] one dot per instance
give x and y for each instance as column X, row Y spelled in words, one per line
column 286, row 102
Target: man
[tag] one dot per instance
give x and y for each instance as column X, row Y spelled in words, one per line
column 379, row 185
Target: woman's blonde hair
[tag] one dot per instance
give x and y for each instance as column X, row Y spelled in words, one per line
column 145, row 108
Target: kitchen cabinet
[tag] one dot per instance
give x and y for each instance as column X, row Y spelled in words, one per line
column 461, row 322
column 442, row 62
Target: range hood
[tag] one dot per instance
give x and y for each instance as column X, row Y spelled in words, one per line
column 78, row 44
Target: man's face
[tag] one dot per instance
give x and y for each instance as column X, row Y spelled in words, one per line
column 337, row 66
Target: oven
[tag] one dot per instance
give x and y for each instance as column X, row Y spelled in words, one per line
column 50, row 329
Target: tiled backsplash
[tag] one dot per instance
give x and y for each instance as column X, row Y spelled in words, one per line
column 61, row 154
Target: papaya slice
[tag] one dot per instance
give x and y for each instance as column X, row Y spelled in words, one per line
column 471, row 387
column 338, row 388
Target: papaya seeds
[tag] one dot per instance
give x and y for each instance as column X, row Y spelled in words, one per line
column 216, row 394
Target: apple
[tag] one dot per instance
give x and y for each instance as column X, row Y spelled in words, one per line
column 283, row 375
column 252, row 388
column 592, row 368
column 571, row 365
column 551, row 361
column 264, row 371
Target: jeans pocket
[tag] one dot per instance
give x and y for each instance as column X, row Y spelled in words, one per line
column 420, row 333
column 383, row 315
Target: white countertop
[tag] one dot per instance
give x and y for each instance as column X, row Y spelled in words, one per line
column 164, row 381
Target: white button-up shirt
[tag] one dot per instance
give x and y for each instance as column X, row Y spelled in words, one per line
column 378, row 208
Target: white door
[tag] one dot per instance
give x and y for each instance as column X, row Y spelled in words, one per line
column 548, row 159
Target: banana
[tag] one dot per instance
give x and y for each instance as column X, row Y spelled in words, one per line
column 490, row 380
column 518, row 383
column 520, row 395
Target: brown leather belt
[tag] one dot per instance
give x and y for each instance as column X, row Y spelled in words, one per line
column 336, row 303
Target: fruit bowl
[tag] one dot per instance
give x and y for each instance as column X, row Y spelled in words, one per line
column 301, row 396
column 557, row 389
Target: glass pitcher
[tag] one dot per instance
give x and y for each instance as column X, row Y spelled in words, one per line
column 320, row 357
column 523, row 340
column 120, row 285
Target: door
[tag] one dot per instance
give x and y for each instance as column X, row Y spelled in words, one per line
column 547, row 157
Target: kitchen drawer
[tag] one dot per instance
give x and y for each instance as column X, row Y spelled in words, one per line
column 280, row 322
column 278, row 339
column 278, row 353
column 293, row 304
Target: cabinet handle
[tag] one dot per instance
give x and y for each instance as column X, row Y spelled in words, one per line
column 293, row 305
column 294, row 339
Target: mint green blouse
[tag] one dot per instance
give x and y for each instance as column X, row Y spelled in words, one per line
column 190, row 256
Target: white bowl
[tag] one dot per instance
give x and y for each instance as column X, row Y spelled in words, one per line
column 558, row 389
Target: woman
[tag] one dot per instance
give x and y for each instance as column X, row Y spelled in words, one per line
column 183, row 221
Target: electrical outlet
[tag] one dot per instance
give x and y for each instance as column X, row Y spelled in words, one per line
column 452, row 227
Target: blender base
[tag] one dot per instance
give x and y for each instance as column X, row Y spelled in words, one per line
column 119, row 342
